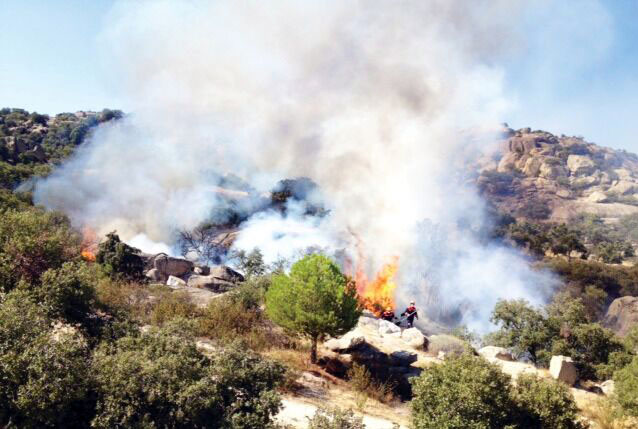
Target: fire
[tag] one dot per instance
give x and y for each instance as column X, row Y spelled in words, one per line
column 89, row 244
column 378, row 294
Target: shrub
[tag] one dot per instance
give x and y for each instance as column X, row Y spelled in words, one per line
column 159, row 379
column 463, row 392
column 335, row 418
column 172, row 306
column 626, row 387
column 67, row 292
column 362, row 381
column 226, row 319
column 315, row 300
column 32, row 242
column 544, row 404
column 44, row 372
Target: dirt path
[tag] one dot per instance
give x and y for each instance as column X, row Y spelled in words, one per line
column 296, row 412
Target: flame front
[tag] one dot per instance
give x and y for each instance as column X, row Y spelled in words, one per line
column 89, row 244
column 378, row 294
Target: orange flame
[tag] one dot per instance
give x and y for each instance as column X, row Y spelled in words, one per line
column 378, row 294
column 89, row 244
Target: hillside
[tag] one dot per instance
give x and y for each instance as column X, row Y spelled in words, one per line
column 124, row 320
column 539, row 176
column 30, row 143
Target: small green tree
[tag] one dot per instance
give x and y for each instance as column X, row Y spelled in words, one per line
column 564, row 241
column 463, row 392
column 523, row 328
column 315, row 300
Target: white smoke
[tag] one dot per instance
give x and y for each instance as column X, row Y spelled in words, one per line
column 372, row 100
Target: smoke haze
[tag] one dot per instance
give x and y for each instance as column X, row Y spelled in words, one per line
column 383, row 104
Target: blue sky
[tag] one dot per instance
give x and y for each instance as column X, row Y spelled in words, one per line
column 579, row 79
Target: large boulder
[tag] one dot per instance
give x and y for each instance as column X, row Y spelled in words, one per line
column 623, row 187
column 223, row 272
column 154, row 275
column 386, row 328
column 622, row 315
column 563, row 368
column 175, row 282
column 552, row 171
column 209, row 282
column 346, row 343
column 496, row 353
column 170, row 266
column 580, row 165
column 414, row 338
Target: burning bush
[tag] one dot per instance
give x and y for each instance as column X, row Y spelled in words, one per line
column 120, row 259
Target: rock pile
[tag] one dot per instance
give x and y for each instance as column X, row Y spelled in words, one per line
column 180, row 273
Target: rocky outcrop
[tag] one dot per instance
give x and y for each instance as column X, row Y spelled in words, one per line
column 493, row 352
column 537, row 175
column 563, row 368
column 169, row 266
column 209, row 282
column 622, row 315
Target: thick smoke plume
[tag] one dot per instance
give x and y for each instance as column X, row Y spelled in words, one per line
column 381, row 103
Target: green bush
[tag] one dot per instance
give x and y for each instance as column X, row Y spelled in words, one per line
column 469, row 392
column 544, row 404
column 335, row 418
column 626, row 387
column 159, row 379
column 315, row 300
column 44, row 373
column 67, row 292
column 31, row 242
column 464, row 392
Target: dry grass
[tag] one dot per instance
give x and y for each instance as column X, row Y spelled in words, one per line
column 362, row 381
column 605, row 414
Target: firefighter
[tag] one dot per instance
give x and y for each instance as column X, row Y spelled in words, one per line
column 388, row 314
column 410, row 313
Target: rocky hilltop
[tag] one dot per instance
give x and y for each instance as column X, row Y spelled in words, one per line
column 537, row 175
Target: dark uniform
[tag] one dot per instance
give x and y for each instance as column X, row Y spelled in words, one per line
column 411, row 313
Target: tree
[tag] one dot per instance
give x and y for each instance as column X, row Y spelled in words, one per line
column 463, row 392
column 522, row 328
column 120, row 259
column 565, row 241
column 201, row 242
column 250, row 263
column 315, row 300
